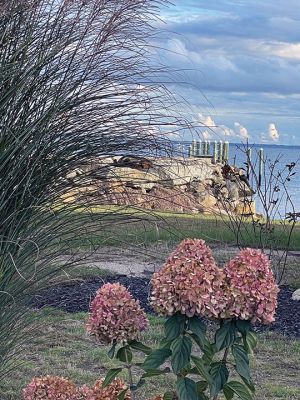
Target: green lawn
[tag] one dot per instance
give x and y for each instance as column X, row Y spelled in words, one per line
column 63, row 348
column 120, row 226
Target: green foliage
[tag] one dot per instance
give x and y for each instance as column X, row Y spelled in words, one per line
column 186, row 389
column 234, row 336
column 174, row 326
column 181, row 353
column 225, row 335
column 111, row 375
column 219, row 374
column 59, row 111
column 156, row 358
column 235, row 387
column 241, row 361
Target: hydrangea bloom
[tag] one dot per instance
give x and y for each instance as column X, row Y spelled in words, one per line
column 190, row 282
column 84, row 393
column 111, row 392
column 49, row 388
column 252, row 290
column 115, row 316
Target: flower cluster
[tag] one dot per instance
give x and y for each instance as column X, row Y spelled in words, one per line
column 190, row 282
column 115, row 316
column 58, row 388
column 252, row 290
column 50, row 388
column 84, row 393
column 111, row 392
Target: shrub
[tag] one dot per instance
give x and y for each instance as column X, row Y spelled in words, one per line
column 188, row 287
column 115, row 316
column 190, row 282
column 49, row 388
column 252, row 290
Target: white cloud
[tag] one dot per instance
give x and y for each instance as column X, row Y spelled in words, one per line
column 273, row 132
column 221, row 131
column 241, row 131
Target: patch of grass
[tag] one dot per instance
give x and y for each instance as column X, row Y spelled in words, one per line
column 63, row 348
column 79, row 272
column 136, row 227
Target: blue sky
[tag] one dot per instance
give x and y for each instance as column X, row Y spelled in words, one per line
column 242, row 62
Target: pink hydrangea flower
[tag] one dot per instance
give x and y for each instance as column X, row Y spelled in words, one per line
column 189, row 282
column 49, row 388
column 112, row 391
column 251, row 288
column 115, row 316
column 84, row 393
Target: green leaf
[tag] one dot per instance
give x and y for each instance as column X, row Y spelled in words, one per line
column 122, row 395
column 202, row 369
column 156, row 358
column 237, row 388
column 110, row 376
column 250, row 342
column 169, row 396
column 111, row 352
column 228, row 393
column 219, row 374
column 242, row 361
column 196, row 326
column 124, row 354
column 174, row 326
column 165, row 344
column 181, row 353
column 225, row 336
column 249, row 384
column 201, row 386
column 186, row 389
column 139, row 346
column 206, row 347
column 243, row 326
column 155, row 372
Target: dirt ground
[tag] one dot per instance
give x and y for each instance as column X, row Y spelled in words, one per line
column 142, row 261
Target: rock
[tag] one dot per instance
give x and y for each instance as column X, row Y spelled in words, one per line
column 296, row 295
column 140, row 163
column 184, row 171
column 116, row 186
column 208, row 201
column 245, row 190
column 134, row 178
column 245, row 208
column 197, row 186
column 233, row 190
column 181, row 185
column 224, row 192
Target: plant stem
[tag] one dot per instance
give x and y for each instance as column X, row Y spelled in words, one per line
column 130, row 377
column 224, row 359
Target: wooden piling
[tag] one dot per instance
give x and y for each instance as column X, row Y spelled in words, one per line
column 215, row 154
column 261, row 165
column 249, row 157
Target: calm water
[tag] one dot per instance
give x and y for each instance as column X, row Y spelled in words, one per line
column 284, row 154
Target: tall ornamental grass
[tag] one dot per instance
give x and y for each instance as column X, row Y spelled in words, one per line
column 77, row 84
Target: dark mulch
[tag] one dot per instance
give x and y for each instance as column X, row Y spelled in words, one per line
column 76, row 296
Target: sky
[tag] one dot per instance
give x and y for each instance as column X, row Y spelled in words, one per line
column 241, row 63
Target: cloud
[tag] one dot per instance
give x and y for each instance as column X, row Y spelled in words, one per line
column 273, row 132
column 220, row 131
column 241, row 62
column 241, row 131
